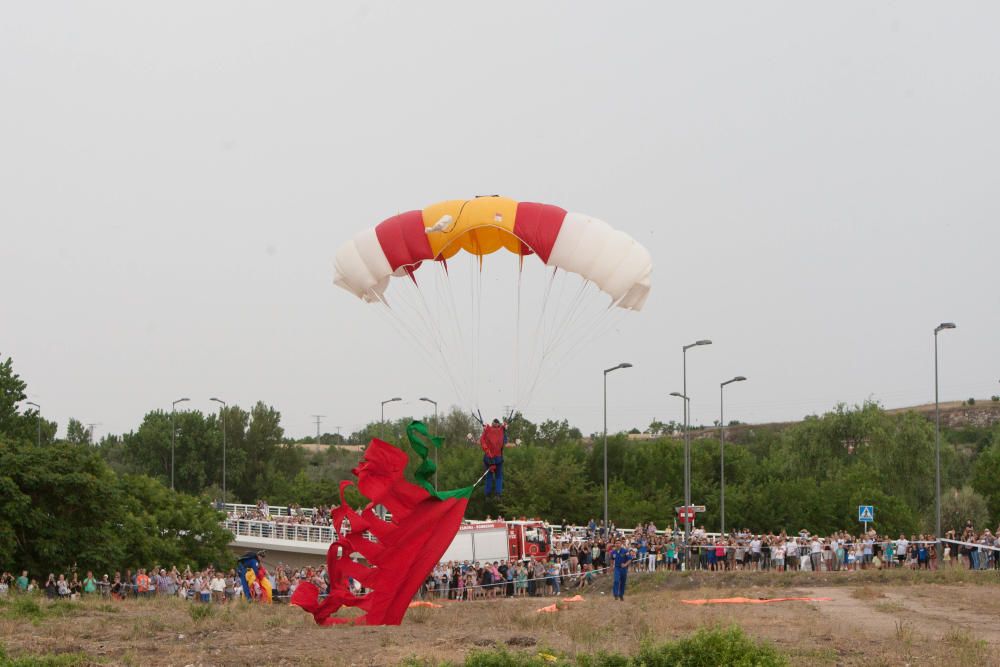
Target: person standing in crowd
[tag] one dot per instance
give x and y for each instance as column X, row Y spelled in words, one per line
column 142, row 583
column 89, row 583
column 621, row 557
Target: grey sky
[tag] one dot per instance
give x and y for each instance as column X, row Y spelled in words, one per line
column 817, row 185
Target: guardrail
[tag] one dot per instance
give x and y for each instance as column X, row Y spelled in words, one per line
column 295, row 532
column 272, row 510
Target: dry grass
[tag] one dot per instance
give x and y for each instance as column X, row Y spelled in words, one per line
column 866, row 623
column 890, row 607
column 866, row 593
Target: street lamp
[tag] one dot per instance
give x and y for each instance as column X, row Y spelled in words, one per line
column 223, row 403
column 173, row 438
column 722, row 453
column 607, row 526
column 687, row 503
column 38, row 415
column 382, row 421
column 937, row 438
column 430, row 400
column 687, row 437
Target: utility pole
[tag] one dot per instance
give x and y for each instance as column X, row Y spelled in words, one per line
column 318, row 418
column 91, row 436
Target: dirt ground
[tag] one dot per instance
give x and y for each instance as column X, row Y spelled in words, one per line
column 872, row 619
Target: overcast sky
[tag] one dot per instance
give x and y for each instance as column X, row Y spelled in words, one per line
column 817, row 185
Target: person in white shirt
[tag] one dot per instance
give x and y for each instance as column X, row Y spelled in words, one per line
column 778, row 556
column 792, row 553
column 815, row 553
column 902, row 544
column 218, row 587
column 755, row 553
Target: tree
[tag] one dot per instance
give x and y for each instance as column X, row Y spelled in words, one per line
column 12, row 387
column 62, row 505
column 961, row 505
column 76, row 433
column 167, row 528
column 985, row 475
column 656, row 427
column 555, row 432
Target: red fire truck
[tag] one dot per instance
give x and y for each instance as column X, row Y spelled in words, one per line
column 488, row 541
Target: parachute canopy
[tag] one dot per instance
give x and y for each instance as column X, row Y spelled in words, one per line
column 576, row 243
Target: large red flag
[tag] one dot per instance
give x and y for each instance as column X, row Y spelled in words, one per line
column 422, row 525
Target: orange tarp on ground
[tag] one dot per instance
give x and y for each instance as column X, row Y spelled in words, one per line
column 575, row 598
column 753, row 600
column 421, row 603
column 547, row 610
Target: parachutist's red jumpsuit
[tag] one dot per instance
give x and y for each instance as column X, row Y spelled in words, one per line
column 492, row 442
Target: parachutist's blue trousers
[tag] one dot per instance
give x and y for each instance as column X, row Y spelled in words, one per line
column 618, row 588
column 494, row 479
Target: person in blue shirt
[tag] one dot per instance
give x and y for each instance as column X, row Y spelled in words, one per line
column 621, row 557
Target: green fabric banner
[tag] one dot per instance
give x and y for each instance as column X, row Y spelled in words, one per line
column 421, row 441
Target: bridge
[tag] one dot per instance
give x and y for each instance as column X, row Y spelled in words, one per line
column 294, row 544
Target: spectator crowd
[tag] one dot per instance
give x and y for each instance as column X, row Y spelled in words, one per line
column 305, row 516
column 577, row 556
column 207, row 586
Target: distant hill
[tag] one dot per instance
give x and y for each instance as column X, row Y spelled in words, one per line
column 954, row 414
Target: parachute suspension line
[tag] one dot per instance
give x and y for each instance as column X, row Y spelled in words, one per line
column 517, row 332
column 539, row 336
column 475, row 305
column 431, row 340
column 572, row 313
column 389, row 314
column 447, row 287
column 431, row 330
column 548, row 320
column 596, row 327
column 479, row 327
column 568, row 336
column 603, row 323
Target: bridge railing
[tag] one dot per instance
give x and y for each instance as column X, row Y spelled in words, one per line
column 273, row 510
column 296, row 532
column 280, row 531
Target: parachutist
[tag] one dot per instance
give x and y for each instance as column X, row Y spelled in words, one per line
column 493, row 440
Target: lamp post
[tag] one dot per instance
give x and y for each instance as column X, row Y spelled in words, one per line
column 223, row 403
column 382, row 420
column 687, row 504
column 937, row 438
column 687, row 437
column 430, row 400
column 607, row 526
column 173, row 438
column 38, row 415
column 722, row 453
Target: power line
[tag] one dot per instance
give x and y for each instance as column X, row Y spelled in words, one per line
column 318, row 418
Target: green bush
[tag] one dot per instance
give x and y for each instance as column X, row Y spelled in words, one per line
column 61, row 660
column 711, row 647
column 503, row 658
column 200, row 612
column 708, row 647
column 24, row 609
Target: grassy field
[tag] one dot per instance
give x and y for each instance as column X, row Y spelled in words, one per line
column 873, row 618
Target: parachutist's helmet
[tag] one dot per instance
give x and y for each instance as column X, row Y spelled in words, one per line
column 496, row 422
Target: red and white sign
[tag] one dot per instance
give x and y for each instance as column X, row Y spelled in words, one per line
column 687, row 514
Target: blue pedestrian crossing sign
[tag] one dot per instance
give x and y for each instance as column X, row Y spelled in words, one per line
column 866, row 513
